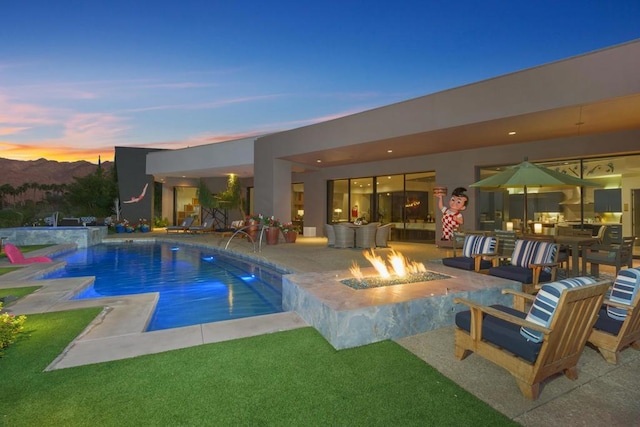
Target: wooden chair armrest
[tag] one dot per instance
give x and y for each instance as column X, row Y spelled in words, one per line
column 501, row 315
column 519, row 294
column 490, row 256
column 520, row 299
column 545, row 264
column 627, row 307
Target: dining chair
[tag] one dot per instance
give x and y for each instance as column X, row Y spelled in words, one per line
column 345, row 236
column 366, row 235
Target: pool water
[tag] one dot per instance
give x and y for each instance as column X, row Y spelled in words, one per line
column 196, row 285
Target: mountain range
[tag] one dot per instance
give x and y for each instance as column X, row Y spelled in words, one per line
column 43, row 171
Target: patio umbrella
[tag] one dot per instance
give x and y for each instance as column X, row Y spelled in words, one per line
column 527, row 175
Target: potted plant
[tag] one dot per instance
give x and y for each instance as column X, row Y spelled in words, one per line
column 120, row 225
column 290, row 232
column 253, row 221
column 143, row 226
column 273, row 229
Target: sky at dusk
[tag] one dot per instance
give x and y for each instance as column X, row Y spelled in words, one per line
column 78, row 78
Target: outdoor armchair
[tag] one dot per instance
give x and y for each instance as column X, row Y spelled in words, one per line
column 533, row 346
column 617, row 255
column 474, row 251
column 506, row 243
column 532, row 262
column 618, row 324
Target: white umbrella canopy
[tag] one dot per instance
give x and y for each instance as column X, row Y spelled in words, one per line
column 526, row 175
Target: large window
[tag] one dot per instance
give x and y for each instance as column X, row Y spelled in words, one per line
column 404, row 200
column 616, row 179
column 186, row 204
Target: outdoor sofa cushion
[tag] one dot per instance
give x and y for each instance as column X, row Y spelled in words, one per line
column 623, row 291
column 606, row 323
column 525, row 253
column 502, row 333
column 544, row 306
column 473, row 244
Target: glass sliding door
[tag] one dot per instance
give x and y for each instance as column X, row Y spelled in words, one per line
column 361, row 196
column 338, row 201
column 390, row 190
column 405, row 201
column 186, row 204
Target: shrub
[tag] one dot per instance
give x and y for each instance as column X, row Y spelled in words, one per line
column 160, row 222
column 10, row 327
column 10, row 218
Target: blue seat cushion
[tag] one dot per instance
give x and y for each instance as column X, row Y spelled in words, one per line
column 519, row 274
column 606, row 323
column 465, row 263
column 502, row 333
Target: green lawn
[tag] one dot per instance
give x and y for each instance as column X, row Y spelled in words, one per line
column 292, row 378
column 18, row 292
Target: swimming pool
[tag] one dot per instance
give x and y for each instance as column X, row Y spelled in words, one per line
column 196, row 285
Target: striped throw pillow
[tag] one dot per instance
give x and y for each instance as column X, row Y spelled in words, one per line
column 546, row 302
column 478, row 245
column 527, row 252
column 624, row 291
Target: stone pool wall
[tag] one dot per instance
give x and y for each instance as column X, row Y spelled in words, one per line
column 81, row 236
column 347, row 317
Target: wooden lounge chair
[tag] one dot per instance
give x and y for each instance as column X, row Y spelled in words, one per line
column 474, row 251
column 532, row 262
column 618, row 324
column 536, row 345
column 618, row 255
column 182, row 228
column 16, row 257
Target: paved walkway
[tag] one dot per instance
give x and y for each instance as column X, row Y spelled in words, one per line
column 603, row 394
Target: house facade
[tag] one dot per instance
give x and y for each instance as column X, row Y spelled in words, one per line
column 580, row 116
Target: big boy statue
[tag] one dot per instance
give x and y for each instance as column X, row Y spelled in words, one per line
column 452, row 216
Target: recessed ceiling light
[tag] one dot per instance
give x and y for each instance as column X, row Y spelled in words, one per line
column 389, row 151
column 318, row 161
column 512, row 132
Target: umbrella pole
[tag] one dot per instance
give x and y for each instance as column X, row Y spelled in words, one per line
column 525, row 225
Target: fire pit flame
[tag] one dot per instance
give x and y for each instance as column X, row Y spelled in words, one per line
column 400, row 266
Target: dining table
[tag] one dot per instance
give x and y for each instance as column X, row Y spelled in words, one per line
column 575, row 243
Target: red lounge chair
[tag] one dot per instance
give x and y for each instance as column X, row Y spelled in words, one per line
column 16, row 257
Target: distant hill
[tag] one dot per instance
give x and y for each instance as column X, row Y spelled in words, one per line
column 42, row 171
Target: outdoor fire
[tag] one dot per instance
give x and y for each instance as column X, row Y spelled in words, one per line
column 395, row 270
column 400, row 266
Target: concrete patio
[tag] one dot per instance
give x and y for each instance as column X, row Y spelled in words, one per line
column 603, row 393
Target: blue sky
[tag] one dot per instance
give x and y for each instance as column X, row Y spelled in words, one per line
column 80, row 77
